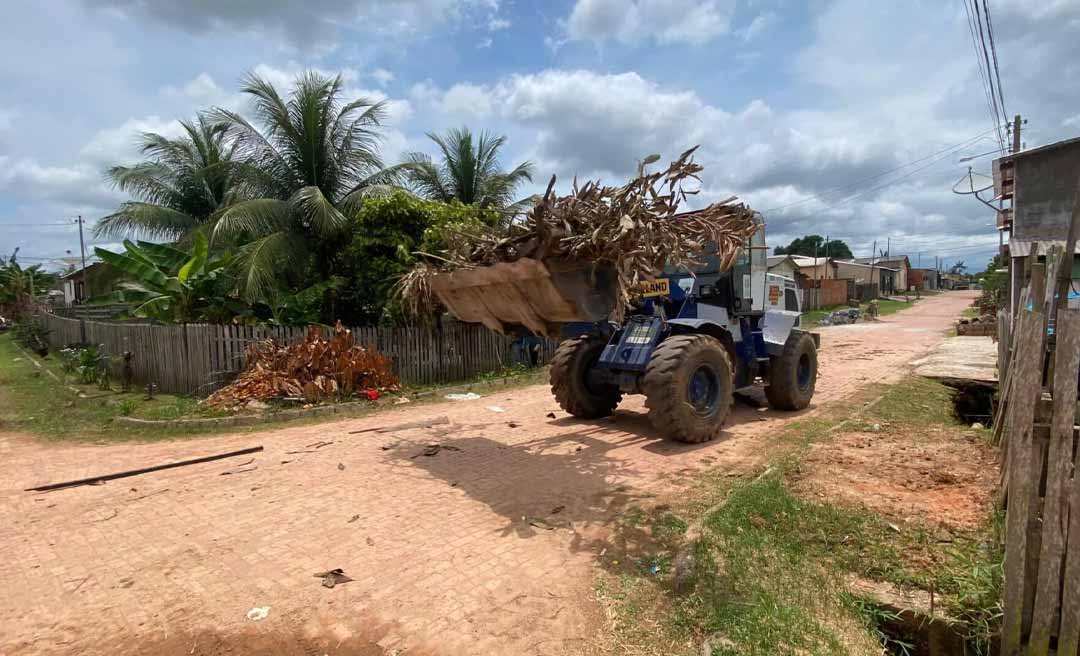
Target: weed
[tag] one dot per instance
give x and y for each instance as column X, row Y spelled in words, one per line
column 127, row 407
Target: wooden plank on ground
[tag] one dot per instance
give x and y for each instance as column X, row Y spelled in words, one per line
column 1059, row 468
column 1027, row 374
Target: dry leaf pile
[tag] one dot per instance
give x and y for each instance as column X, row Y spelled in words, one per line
column 314, row 369
column 635, row 227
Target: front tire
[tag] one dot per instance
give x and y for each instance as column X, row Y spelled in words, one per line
column 571, row 383
column 793, row 375
column 688, row 387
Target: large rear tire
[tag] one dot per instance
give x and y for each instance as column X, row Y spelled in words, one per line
column 571, row 383
column 688, row 387
column 793, row 375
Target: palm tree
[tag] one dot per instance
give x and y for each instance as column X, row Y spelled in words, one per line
column 180, row 185
column 308, row 167
column 469, row 172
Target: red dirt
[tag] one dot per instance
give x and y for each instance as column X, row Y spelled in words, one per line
column 936, row 476
column 443, row 551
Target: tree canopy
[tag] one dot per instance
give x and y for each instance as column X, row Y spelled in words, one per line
column 469, row 171
column 816, row 246
column 181, row 184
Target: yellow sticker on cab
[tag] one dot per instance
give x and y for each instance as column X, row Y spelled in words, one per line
column 648, row 288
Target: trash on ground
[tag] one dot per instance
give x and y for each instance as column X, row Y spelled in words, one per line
column 496, row 408
column 433, row 449
column 258, row 613
column 315, row 369
column 402, row 399
column 539, row 523
column 353, row 519
column 557, row 509
column 551, row 415
column 468, row 396
column 841, row 317
column 332, row 577
column 426, row 423
column 341, row 466
column 511, row 424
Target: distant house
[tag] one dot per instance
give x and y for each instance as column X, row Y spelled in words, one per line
column 860, row 273
column 100, row 278
column 815, row 268
column 782, row 265
column 924, row 279
column 898, row 263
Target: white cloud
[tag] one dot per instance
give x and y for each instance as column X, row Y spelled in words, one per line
column 486, row 42
column 7, row 119
column 311, row 25
column 758, row 25
column 496, row 23
column 663, row 21
column 382, row 76
column 119, row 145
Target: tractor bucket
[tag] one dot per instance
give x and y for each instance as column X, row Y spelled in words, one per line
column 539, row 295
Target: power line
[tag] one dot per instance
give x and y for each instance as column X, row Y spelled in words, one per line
column 33, row 225
column 984, row 74
column 852, row 185
column 875, row 188
column 993, row 50
column 986, row 57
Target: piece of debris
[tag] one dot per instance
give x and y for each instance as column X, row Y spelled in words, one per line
column 894, row 527
column 426, row 423
column 258, row 613
column 353, row 519
column 341, row 466
column 511, row 424
column 468, row 396
column 315, row 369
column 318, row 445
column 539, row 523
column 332, row 577
column 557, row 509
column 496, row 408
column 370, row 542
column 433, row 449
column 579, row 448
column 401, row 400
column 100, row 480
column 240, row 471
column 148, row 495
column 977, row 426
column 105, row 519
column 551, row 415
column 387, row 447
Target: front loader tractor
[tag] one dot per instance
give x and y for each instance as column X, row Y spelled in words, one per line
column 690, row 339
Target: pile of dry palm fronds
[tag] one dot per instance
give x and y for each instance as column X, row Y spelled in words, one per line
column 636, row 227
column 314, row 370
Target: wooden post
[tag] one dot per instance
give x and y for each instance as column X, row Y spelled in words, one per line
column 1027, row 374
column 1068, row 360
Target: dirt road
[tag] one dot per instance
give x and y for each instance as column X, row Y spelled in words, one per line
column 487, row 546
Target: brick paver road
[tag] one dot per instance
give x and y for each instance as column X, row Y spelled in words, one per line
column 443, row 553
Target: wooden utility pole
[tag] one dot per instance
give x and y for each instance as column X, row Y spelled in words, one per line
column 873, row 278
column 86, row 288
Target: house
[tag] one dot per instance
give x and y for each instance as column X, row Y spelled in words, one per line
column 815, row 268
column 924, row 278
column 1041, row 183
column 782, row 265
column 898, row 263
column 100, row 278
column 861, row 273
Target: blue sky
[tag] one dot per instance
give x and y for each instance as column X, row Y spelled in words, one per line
column 789, row 100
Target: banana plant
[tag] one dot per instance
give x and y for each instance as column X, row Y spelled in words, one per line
column 168, row 284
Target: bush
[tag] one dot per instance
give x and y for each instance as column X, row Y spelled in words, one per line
column 387, row 232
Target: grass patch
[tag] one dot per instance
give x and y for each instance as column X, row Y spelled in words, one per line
column 770, row 569
column 32, row 401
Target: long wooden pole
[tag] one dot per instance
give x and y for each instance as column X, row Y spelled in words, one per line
column 145, row 470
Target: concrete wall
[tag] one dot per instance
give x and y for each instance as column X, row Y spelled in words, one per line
column 1044, row 186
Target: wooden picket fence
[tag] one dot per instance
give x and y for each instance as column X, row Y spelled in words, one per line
column 1041, row 474
column 199, row 358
